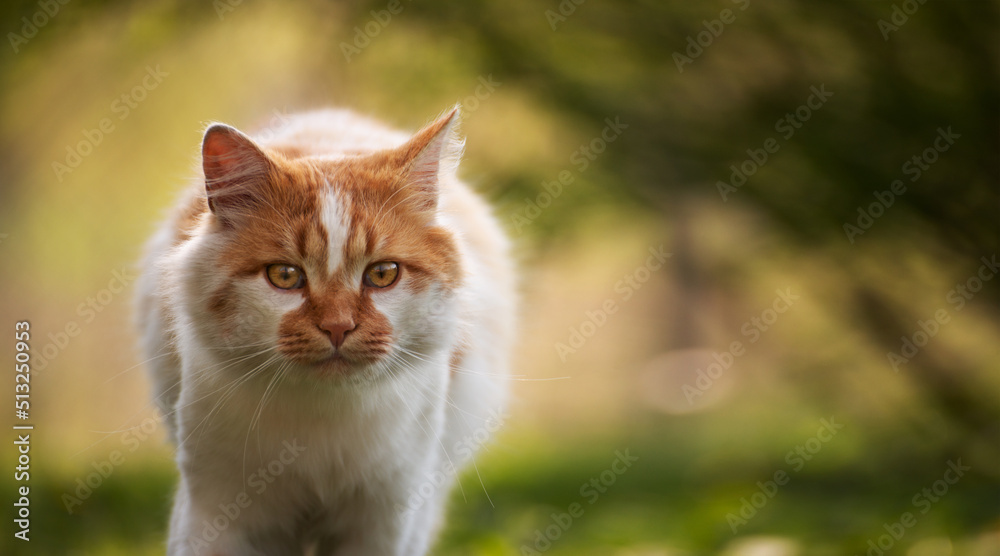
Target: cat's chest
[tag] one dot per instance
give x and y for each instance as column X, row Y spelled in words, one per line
column 305, row 450
column 325, row 446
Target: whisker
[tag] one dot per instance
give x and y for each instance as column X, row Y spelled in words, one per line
column 230, row 388
column 461, row 412
column 155, row 400
column 393, row 357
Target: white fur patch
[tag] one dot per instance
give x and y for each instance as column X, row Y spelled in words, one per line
column 337, row 221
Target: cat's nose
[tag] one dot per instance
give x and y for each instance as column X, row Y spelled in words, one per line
column 337, row 329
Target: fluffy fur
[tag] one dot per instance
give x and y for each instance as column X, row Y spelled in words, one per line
column 287, row 443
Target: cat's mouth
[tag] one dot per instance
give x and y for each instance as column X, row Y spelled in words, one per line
column 340, row 363
column 337, row 363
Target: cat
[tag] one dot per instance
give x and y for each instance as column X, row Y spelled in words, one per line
column 327, row 316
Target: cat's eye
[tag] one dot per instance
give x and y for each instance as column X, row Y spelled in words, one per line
column 381, row 274
column 286, row 276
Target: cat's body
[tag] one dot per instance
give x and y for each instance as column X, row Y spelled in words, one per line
column 316, row 404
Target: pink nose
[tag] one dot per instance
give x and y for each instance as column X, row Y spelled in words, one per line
column 337, row 329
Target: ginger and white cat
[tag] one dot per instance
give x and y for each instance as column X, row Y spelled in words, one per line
column 327, row 317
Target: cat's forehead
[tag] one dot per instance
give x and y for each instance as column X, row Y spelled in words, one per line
column 332, row 198
column 334, row 218
column 337, row 224
column 347, row 218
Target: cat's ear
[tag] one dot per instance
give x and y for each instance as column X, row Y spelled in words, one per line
column 234, row 169
column 430, row 155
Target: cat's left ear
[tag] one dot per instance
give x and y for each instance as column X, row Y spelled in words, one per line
column 432, row 154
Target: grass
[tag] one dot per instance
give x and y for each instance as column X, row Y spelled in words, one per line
column 665, row 503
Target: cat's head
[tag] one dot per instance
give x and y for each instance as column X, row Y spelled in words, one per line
column 332, row 266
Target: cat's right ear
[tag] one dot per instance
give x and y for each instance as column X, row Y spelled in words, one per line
column 234, row 168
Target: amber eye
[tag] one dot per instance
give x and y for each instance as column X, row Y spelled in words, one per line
column 286, row 276
column 382, row 274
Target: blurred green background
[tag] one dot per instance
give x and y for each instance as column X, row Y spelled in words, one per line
column 693, row 93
